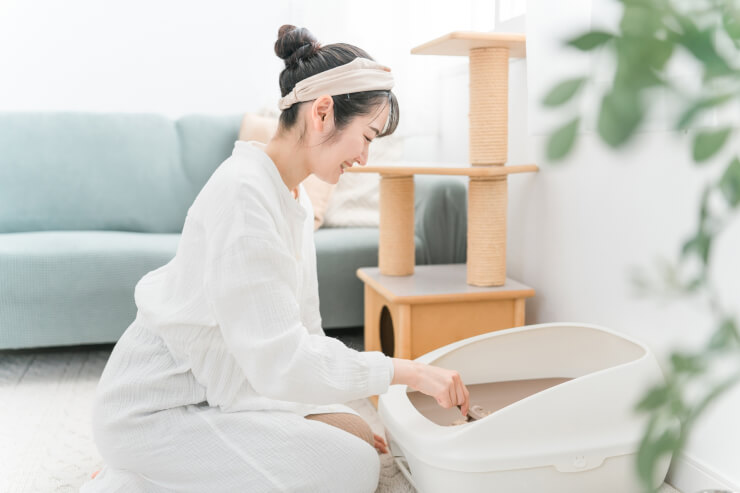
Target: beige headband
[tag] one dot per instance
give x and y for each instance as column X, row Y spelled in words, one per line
column 358, row 75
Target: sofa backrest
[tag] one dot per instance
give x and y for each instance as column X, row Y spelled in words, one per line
column 106, row 171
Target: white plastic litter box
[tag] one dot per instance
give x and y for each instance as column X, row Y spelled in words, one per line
column 561, row 398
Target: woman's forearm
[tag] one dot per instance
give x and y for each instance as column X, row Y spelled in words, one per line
column 405, row 372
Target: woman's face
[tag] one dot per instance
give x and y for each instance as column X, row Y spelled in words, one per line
column 350, row 146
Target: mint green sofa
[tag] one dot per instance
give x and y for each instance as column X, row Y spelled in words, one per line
column 90, row 202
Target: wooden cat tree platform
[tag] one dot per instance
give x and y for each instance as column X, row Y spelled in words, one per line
column 408, row 314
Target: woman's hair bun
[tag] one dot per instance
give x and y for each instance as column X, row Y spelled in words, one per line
column 295, row 44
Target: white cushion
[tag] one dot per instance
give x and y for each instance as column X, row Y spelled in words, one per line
column 355, row 200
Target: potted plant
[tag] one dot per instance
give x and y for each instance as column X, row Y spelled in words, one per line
column 649, row 35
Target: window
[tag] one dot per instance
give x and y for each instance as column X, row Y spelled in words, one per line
column 510, row 9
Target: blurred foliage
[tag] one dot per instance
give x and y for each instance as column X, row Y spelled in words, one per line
column 650, row 34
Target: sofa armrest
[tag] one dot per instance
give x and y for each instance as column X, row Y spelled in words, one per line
column 441, row 217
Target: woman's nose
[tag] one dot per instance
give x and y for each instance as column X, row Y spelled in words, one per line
column 362, row 160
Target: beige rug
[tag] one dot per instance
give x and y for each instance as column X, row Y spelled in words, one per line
column 45, row 438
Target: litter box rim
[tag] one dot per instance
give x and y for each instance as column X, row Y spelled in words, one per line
column 439, row 435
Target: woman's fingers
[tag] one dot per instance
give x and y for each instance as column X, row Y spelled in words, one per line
column 459, row 396
column 464, row 398
column 444, row 385
column 456, row 390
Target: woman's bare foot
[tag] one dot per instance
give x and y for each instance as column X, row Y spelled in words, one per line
column 380, row 444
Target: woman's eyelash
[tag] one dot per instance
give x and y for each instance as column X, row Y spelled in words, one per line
column 369, row 140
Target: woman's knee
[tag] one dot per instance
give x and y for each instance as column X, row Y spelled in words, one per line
column 365, row 471
column 357, row 462
column 117, row 437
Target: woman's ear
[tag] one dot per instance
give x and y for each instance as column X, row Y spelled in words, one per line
column 322, row 113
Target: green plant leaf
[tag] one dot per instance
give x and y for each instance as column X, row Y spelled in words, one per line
column 704, row 206
column 700, row 106
column 590, row 40
column 655, row 398
column 693, row 285
column 620, row 115
column 679, row 409
column 725, row 337
column 700, row 43
column 563, row 91
column 687, row 363
column 659, row 52
column 699, row 244
column 707, row 144
column 562, row 140
column 653, row 450
column 638, row 61
column 716, row 389
column 729, row 184
column 731, row 22
column 639, row 19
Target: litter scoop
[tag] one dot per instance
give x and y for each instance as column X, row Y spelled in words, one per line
column 475, row 413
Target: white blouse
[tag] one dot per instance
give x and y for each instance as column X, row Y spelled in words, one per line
column 238, row 305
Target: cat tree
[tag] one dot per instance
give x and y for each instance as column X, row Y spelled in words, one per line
column 435, row 305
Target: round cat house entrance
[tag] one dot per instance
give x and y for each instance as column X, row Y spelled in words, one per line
column 387, row 336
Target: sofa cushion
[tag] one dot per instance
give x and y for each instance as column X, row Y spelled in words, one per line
column 205, row 142
column 90, row 171
column 339, row 253
column 73, row 287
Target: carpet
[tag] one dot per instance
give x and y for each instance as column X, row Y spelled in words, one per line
column 46, row 442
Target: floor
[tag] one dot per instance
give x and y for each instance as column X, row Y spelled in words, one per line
column 46, row 396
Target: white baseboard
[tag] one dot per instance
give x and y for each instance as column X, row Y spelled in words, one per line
column 689, row 475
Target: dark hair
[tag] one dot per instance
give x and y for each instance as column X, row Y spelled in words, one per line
column 304, row 56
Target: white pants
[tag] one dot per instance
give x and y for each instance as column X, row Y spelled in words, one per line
column 152, row 446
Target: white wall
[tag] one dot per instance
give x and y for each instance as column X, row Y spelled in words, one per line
column 178, row 56
column 163, row 56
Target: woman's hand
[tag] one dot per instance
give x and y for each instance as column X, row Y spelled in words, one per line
column 444, row 385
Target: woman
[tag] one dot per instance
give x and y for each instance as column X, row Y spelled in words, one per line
column 225, row 381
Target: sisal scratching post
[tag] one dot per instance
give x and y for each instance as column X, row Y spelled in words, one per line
column 487, row 198
column 489, row 133
column 489, row 105
column 396, row 249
